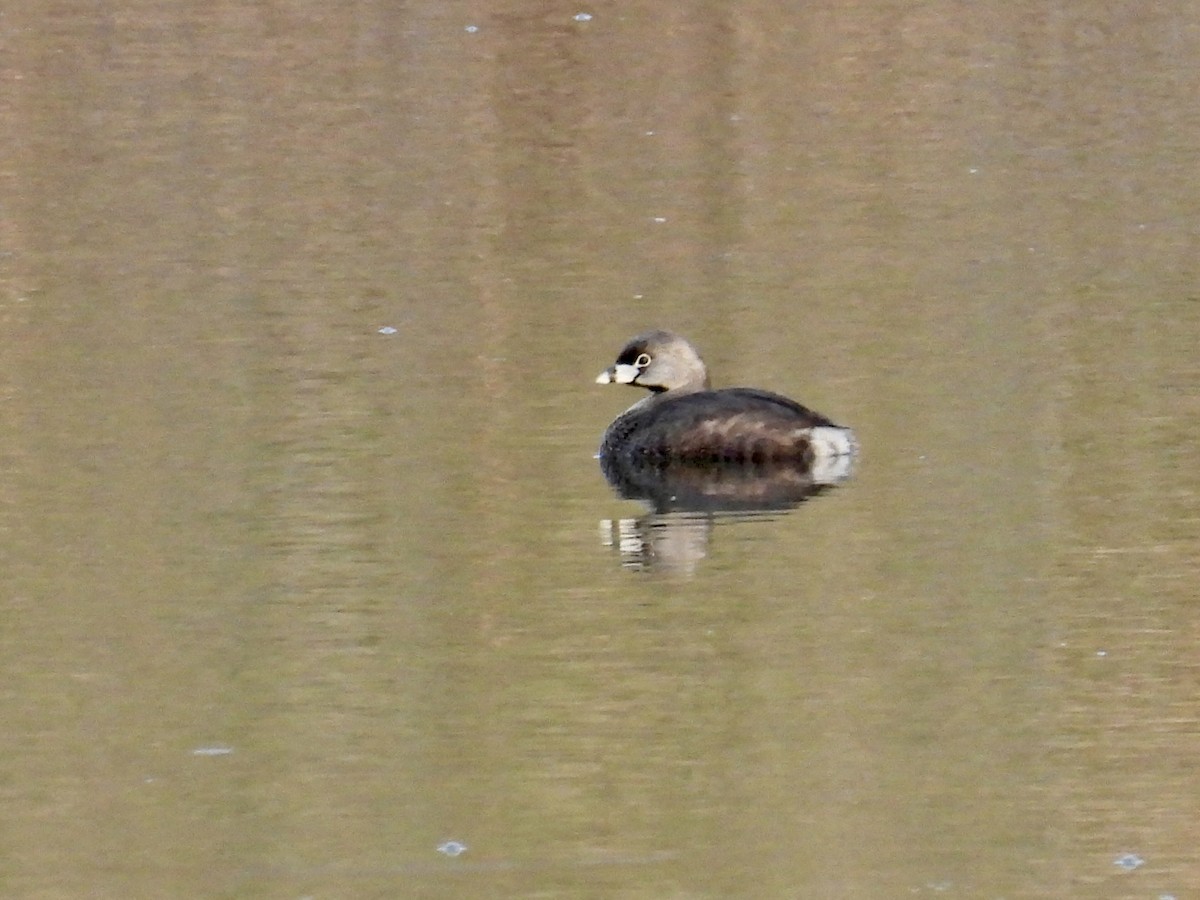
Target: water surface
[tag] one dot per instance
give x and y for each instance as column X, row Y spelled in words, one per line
column 291, row 603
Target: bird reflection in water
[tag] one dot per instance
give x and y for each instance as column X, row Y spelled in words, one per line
column 685, row 501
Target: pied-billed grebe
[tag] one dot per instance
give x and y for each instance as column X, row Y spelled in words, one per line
column 683, row 421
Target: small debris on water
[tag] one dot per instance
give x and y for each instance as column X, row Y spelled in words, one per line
column 212, row 751
column 452, row 848
column 1128, row 861
column 387, row 329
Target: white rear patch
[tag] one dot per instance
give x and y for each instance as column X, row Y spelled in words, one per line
column 834, row 450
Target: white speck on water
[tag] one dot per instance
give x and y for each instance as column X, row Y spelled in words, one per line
column 973, row 171
column 660, row 219
column 583, row 17
column 452, row 848
column 1128, row 861
column 387, row 329
column 212, row 751
column 471, row 29
column 1102, row 653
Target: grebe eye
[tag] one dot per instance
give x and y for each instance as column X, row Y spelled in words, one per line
column 642, row 361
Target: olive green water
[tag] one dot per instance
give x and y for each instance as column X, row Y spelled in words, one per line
column 289, row 603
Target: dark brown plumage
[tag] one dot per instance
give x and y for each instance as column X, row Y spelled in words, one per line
column 683, row 420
